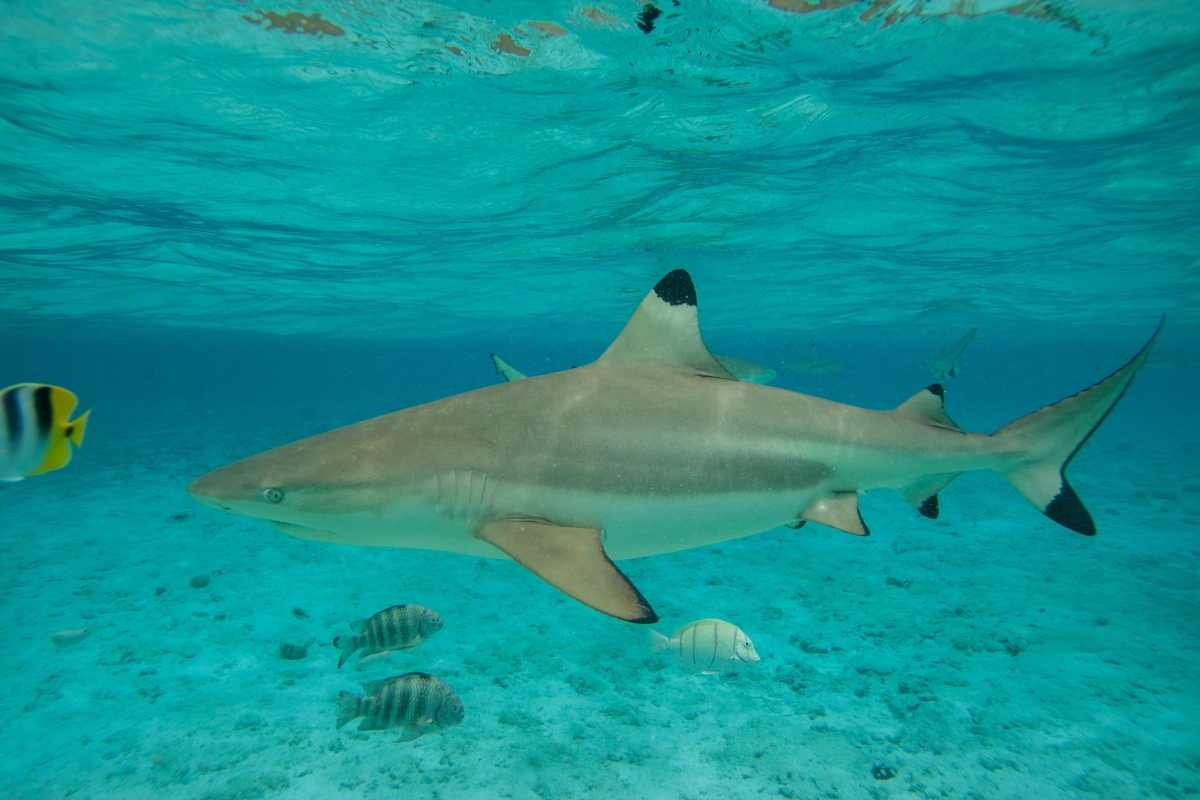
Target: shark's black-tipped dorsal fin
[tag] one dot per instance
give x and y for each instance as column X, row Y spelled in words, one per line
column 929, row 404
column 665, row 330
column 839, row 510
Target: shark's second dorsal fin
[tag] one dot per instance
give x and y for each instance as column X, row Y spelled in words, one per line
column 929, row 404
column 665, row 330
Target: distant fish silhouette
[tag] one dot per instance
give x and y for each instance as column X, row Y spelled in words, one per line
column 1160, row 359
column 70, row 637
column 945, row 363
column 747, row 370
column 812, row 364
column 742, row 370
column 1101, row 360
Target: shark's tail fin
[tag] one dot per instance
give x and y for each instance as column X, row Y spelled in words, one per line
column 1050, row 438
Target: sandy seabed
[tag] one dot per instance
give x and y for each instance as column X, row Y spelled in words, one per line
column 988, row 654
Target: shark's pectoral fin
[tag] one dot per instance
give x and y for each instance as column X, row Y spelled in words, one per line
column 922, row 494
column 573, row 561
column 929, row 404
column 839, row 511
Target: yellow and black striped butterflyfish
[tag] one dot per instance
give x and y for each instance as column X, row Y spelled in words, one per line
column 35, row 430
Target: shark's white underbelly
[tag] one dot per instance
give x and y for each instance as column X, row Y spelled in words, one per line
column 633, row 525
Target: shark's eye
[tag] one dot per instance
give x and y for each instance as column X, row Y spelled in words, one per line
column 272, row 495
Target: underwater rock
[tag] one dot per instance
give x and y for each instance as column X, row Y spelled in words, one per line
column 300, row 613
column 882, row 773
column 200, row 581
column 293, row 652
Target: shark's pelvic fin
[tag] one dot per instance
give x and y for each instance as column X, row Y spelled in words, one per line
column 839, row 511
column 573, row 561
column 665, row 330
column 508, row 372
column 1050, row 438
column 922, row 494
column 929, row 404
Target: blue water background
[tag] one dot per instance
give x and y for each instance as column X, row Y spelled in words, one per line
column 224, row 237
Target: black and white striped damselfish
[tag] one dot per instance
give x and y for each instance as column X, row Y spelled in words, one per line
column 415, row 702
column 396, row 628
column 35, row 429
column 708, row 645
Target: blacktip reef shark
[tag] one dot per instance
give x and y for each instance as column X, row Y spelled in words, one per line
column 945, row 363
column 742, row 370
column 653, row 448
column 812, row 364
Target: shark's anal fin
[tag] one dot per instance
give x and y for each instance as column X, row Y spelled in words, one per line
column 504, row 369
column 665, row 330
column 922, row 493
column 839, row 510
column 573, row 561
column 929, row 404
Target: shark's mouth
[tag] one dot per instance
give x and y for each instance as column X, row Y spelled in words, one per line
column 304, row 532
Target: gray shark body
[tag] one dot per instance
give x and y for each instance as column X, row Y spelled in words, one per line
column 653, row 448
column 742, row 370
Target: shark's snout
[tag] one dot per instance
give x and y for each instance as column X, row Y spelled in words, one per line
column 206, row 490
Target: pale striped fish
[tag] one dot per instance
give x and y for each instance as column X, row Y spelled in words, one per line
column 35, row 429
column 415, row 702
column 396, row 628
column 707, row 645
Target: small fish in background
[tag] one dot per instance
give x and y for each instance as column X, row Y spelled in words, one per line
column 708, row 645
column 415, row 702
column 812, row 364
column 742, row 370
column 35, row 429
column 945, row 363
column 396, row 628
column 74, row 636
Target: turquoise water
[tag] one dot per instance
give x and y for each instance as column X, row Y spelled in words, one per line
column 226, row 228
